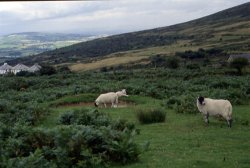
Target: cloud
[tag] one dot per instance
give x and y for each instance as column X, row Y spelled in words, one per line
column 103, row 16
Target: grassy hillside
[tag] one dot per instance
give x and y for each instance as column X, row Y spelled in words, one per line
column 228, row 30
column 39, row 125
column 31, row 43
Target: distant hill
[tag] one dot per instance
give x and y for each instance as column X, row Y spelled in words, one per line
column 32, row 43
column 228, row 30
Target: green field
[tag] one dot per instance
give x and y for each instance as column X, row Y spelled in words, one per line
column 183, row 140
column 51, row 121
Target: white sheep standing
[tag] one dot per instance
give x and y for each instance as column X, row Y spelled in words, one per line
column 210, row 107
column 111, row 97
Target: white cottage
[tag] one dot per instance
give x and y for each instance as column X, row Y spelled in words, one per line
column 19, row 68
column 232, row 57
column 5, row 68
column 35, row 68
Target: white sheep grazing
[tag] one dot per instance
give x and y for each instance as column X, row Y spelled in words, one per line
column 110, row 97
column 210, row 107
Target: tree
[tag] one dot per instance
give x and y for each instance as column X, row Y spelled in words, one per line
column 47, row 70
column 157, row 61
column 239, row 64
column 173, row 62
column 64, row 69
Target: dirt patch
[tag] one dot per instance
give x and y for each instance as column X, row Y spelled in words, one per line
column 122, row 104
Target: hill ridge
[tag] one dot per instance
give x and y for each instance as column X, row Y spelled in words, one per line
column 196, row 31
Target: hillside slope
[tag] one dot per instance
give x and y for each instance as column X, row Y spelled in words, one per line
column 228, row 29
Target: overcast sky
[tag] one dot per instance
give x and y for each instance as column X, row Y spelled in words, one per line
column 103, row 17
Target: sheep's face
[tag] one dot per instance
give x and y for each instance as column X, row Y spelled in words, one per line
column 201, row 100
column 96, row 104
column 124, row 91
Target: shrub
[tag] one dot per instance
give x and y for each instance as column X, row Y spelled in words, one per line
column 47, row 70
column 69, row 146
column 64, row 69
column 239, row 64
column 125, row 150
column 151, row 115
column 35, row 159
column 92, row 117
column 154, row 92
column 84, row 117
column 237, row 96
column 67, row 118
column 171, row 102
column 104, row 69
column 157, row 61
column 25, row 73
column 3, row 105
column 173, row 62
column 187, row 105
column 193, row 66
column 122, row 124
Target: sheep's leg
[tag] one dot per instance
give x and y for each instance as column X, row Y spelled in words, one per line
column 206, row 118
column 229, row 123
column 105, row 105
column 229, row 120
column 116, row 102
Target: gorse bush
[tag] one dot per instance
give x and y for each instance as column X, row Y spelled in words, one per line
column 29, row 113
column 171, row 102
column 122, row 124
column 193, row 66
column 67, row 118
column 239, row 64
column 35, row 159
column 123, row 150
column 87, row 138
column 173, row 62
column 159, row 83
column 187, row 105
column 150, row 115
column 84, row 117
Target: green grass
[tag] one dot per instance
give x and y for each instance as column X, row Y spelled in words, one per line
column 74, row 99
column 183, row 140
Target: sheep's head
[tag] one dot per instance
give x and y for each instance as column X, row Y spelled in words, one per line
column 124, row 91
column 201, row 100
column 96, row 104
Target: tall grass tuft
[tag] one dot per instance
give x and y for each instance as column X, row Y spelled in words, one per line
column 150, row 115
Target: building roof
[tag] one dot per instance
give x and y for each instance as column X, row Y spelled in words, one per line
column 35, row 67
column 21, row 67
column 5, row 66
column 232, row 57
column 240, row 55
